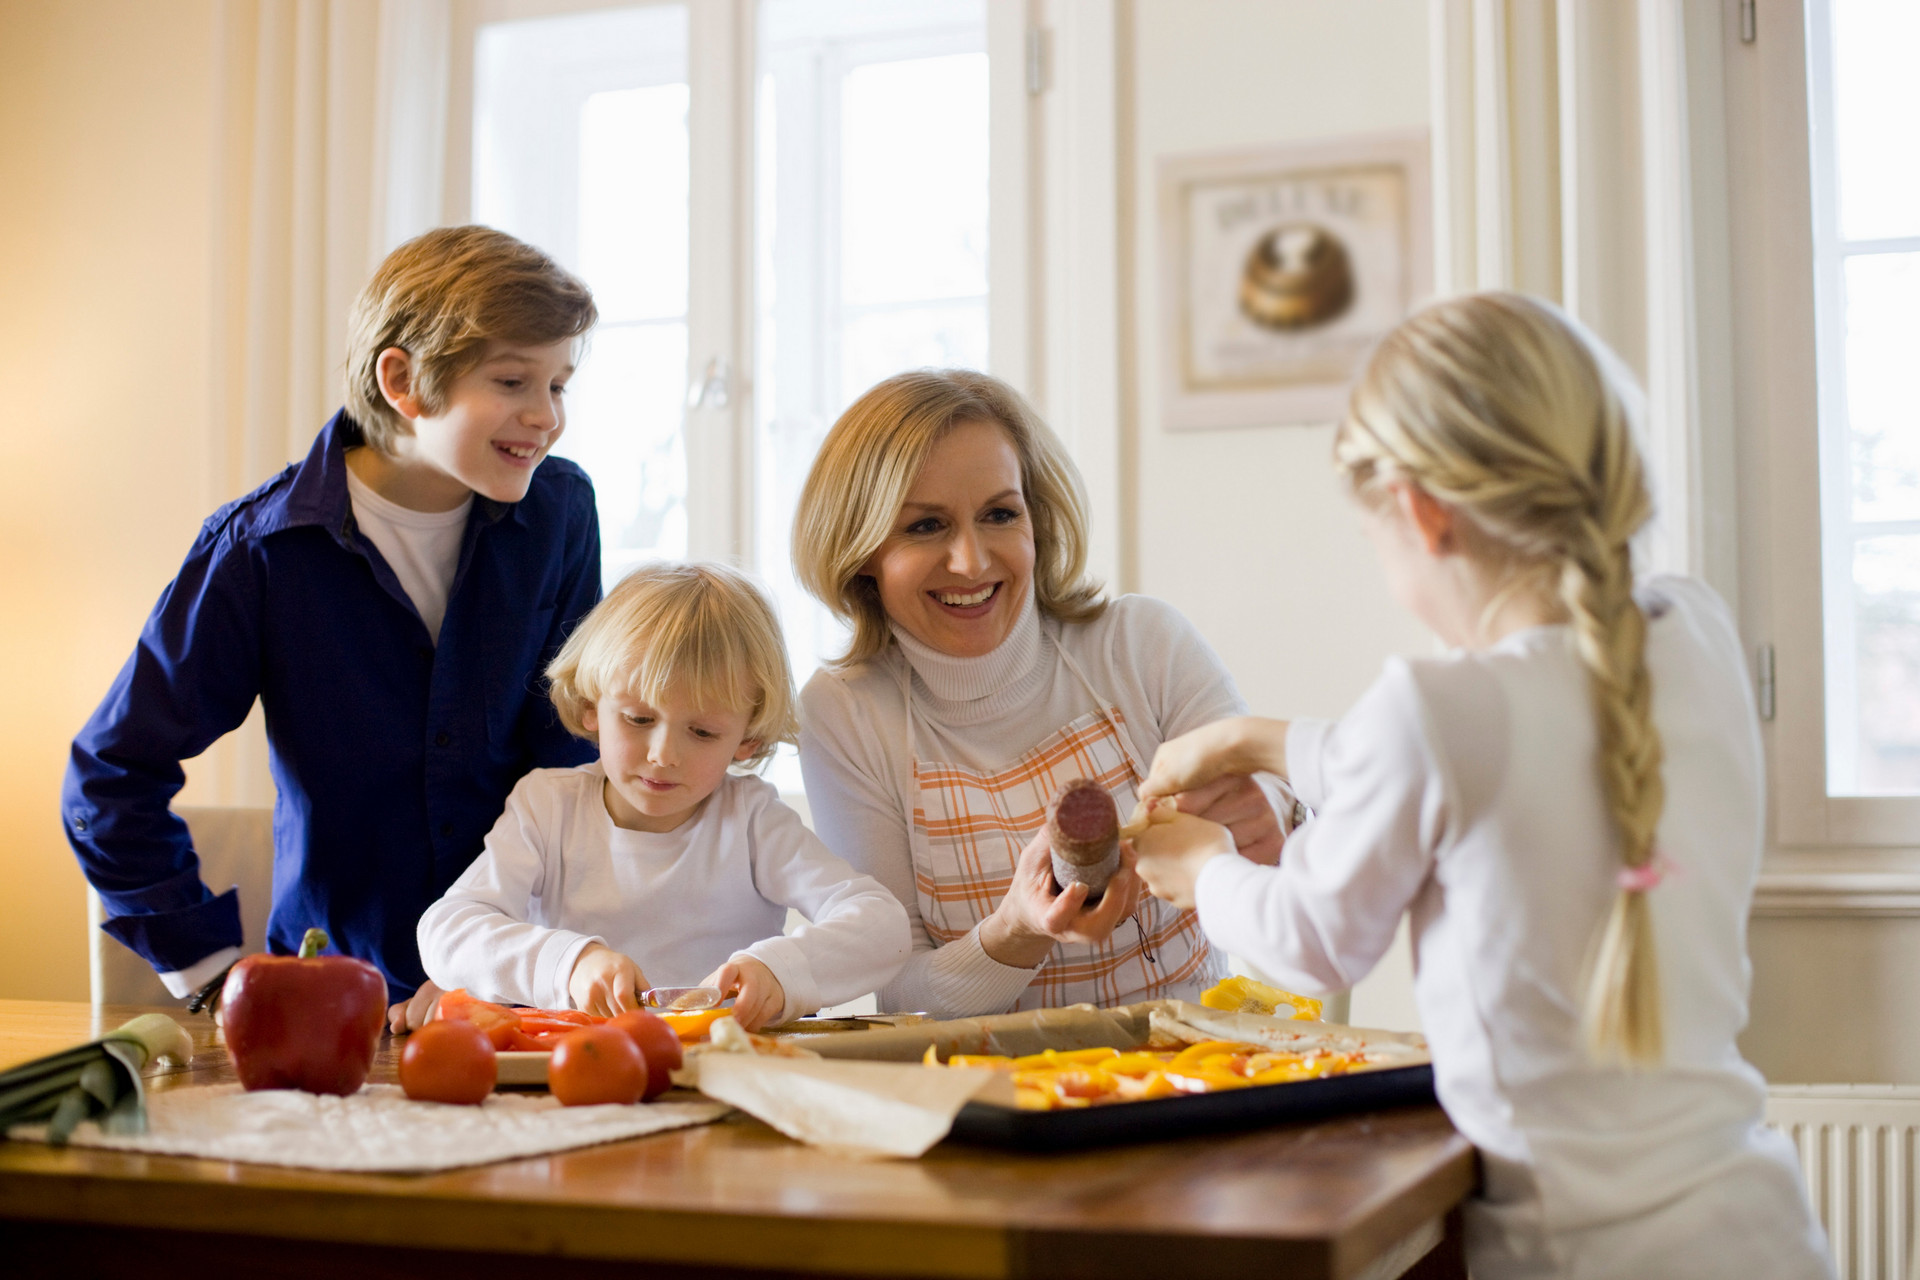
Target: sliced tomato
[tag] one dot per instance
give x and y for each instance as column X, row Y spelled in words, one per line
column 499, row 1022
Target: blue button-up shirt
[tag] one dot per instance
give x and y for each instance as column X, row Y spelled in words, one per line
column 392, row 756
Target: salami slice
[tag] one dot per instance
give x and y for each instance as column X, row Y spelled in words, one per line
column 1083, row 827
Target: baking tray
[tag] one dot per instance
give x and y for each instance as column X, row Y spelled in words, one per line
column 1257, row 1106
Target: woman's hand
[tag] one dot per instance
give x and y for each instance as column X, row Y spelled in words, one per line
column 604, row 982
column 758, row 995
column 1034, row 914
column 412, row 1013
column 1237, row 745
column 1170, row 854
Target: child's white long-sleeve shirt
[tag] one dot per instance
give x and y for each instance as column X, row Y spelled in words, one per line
column 1466, row 790
column 557, row 874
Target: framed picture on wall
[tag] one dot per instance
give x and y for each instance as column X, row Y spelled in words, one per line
column 1280, row 268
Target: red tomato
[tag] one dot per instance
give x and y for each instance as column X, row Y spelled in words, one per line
column 448, row 1061
column 657, row 1044
column 595, row 1065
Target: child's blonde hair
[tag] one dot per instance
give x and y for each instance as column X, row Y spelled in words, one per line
column 703, row 630
column 867, row 465
column 441, row 297
column 1503, row 407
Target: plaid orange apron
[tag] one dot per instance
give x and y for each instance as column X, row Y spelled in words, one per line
column 969, row 828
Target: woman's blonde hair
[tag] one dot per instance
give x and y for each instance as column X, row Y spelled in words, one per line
column 702, row 630
column 867, row 465
column 1506, row 409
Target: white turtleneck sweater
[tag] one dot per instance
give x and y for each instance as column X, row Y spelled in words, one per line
column 983, row 713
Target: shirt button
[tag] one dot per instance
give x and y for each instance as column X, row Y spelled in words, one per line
column 446, row 828
column 442, row 739
column 79, row 823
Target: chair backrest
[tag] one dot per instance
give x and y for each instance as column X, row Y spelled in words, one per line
column 236, row 849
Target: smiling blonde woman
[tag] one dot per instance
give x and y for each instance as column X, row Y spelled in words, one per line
column 946, row 525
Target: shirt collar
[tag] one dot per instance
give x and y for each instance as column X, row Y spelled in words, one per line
column 318, row 493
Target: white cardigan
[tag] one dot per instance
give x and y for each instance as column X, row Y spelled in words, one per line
column 1466, row 790
column 556, row 875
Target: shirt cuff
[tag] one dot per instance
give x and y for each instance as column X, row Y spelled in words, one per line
column 181, row 983
column 969, row 979
column 177, row 940
column 1220, row 892
column 565, row 948
column 1306, row 739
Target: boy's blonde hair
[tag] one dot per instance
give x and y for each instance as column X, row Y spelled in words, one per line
column 441, row 297
column 703, row 630
column 1505, row 408
column 867, row 465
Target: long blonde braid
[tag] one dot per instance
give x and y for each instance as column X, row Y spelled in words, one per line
column 1504, row 408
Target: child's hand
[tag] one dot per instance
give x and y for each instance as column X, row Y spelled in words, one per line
column 604, row 982
column 758, row 995
column 1241, row 744
column 411, row 1014
column 1169, row 855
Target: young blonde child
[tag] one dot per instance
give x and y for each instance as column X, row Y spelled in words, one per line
column 1569, row 806
column 657, row 865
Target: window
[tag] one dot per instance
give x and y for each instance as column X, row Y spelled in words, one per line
column 1863, row 103
column 863, row 246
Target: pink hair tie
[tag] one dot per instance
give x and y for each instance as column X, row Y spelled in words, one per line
column 1644, row 879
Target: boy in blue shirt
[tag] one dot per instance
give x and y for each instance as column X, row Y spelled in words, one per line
column 391, row 601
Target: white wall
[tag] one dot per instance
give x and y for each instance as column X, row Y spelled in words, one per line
column 106, row 181
column 1247, row 531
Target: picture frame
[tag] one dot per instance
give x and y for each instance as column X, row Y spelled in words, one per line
column 1280, row 269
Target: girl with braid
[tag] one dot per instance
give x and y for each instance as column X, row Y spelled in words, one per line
column 1568, row 804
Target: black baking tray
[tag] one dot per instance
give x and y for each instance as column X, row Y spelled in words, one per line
column 1294, row 1102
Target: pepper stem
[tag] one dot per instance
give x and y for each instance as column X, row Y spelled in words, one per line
column 313, row 943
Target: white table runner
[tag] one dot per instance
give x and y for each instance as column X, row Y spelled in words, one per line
column 377, row 1130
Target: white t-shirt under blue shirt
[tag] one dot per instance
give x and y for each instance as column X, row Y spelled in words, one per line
column 422, row 547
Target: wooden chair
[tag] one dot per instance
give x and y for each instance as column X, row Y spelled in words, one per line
column 235, row 848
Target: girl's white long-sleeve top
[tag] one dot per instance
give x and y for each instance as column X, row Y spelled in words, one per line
column 557, row 874
column 1466, row 790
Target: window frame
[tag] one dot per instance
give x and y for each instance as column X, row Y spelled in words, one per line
column 1783, row 336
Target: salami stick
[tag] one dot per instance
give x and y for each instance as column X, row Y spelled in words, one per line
column 1083, row 827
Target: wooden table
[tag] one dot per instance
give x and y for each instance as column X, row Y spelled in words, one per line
column 1364, row 1196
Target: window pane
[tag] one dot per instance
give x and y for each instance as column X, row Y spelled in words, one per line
column 914, row 179
column 623, row 426
column 633, row 201
column 870, row 237
column 1883, row 344
column 1877, row 109
column 581, row 147
column 1886, row 579
column 882, row 343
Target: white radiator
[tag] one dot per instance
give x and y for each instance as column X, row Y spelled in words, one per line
column 1859, row 1151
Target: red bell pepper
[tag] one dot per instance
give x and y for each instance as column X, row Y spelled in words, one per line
column 310, row 1022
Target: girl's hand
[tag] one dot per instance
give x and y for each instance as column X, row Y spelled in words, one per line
column 1237, row 803
column 758, row 995
column 1170, row 855
column 1241, row 744
column 412, row 1013
column 1034, row 914
column 604, row 982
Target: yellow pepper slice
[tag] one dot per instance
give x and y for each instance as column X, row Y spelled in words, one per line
column 1193, row 1053
column 1243, row 995
column 1063, row 1058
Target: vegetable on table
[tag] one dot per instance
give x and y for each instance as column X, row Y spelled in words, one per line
column 657, row 1044
column 308, row 1022
column 593, row 1065
column 99, row 1080
column 537, row 1030
column 448, row 1061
